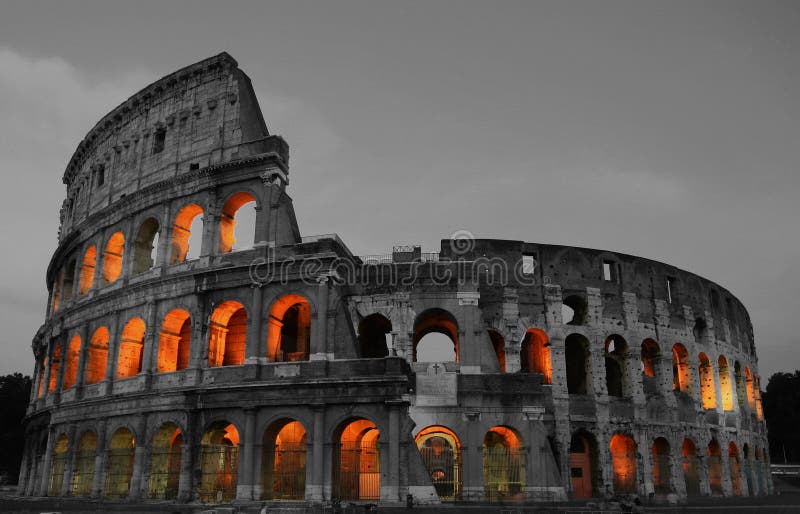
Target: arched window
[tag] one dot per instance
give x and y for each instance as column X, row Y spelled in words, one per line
column 227, row 335
column 650, row 354
column 112, row 258
column 145, row 247
column 435, row 337
column 71, row 362
column 237, row 223
column 623, row 459
column 751, row 399
column 735, row 469
column 535, row 354
column 499, row 347
column 757, row 391
column 87, row 270
column 707, row 389
column 69, row 280
column 725, row 387
column 616, row 369
column 219, row 463
column 573, row 310
column 691, row 470
column 289, row 329
column 583, row 465
column 374, row 336
column 58, row 466
column 55, row 364
column 681, row 373
column 83, row 474
column 173, row 341
column 503, row 465
column 129, row 363
column 57, row 291
column 576, row 354
column 119, row 467
column 661, row 466
column 356, row 461
column 98, row 356
column 187, row 234
column 283, row 461
column 715, row 467
column 440, row 450
column 165, row 462
column 741, row 394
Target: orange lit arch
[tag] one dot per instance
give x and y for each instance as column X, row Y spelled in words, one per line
column 71, row 362
column 289, row 329
column 174, row 341
column 681, row 372
column 228, row 219
column 219, row 462
column 97, row 358
column 440, row 449
column 751, row 399
column 623, row 460
column 725, row 383
column 356, row 463
column 129, row 362
column 535, row 354
column 283, row 460
column 112, row 258
column 182, row 230
column 436, row 321
column 707, row 388
column 55, row 364
column 227, row 334
column 87, row 270
column 503, row 465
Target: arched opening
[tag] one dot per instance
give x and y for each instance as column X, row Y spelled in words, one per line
column 42, row 376
column 699, row 330
column 661, row 466
column 435, row 337
column 145, row 246
column 535, row 354
column 187, row 234
column 681, row 373
column 219, row 463
column 499, row 347
column 651, row 354
column 69, row 280
column 751, row 399
column 715, row 467
column 725, row 387
column 748, row 469
column 623, row 460
column 97, row 357
column 227, row 335
column 83, row 476
column 55, row 363
column 129, row 363
column 57, row 291
column 165, row 462
column 120, row 464
column 289, row 329
column 757, row 391
column 112, row 258
column 356, row 463
column 283, row 461
column 573, row 310
column 87, row 270
column 440, row 450
column 503, row 465
column 173, row 341
column 237, row 224
column 71, row 362
column 374, row 336
column 58, row 465
column 707, row 390
column 583, row 465
column 616, row 376
column 735, row 469
column 576, row 355
column 691, row 470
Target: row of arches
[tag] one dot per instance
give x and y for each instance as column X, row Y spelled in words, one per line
column 237, row 220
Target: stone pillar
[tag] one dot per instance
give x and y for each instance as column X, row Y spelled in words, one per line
column 97, row 280
column 112, row 352
column 48, row 462
column 211, row 223
column 62, row 364
column 164, row 239
column 66, row 486
column 315, row 487
column 84, row 354
column 139, row 457
column 473, row 458
column 664, row 377
column 319, row 337
column 244, row 487
column 253, row 345
column 98, row 482
column 51, row 349
column 262, row 221
column 189, row 451
column 37, row 366
column 24, row 470
column 391, row 490
column 724, row 462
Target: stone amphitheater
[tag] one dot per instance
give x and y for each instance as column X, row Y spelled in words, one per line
column 182, row 360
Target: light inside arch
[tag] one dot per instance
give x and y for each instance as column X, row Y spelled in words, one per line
column 237, row 223
column 289, row 329
column 227, row 334
column 112, row 258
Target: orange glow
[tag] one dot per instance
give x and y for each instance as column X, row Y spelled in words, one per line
column 87, row 270
column 661, row 466
column 98, row 356
column 725, row 386
column 112, row 257
column 757, row 388
column 173, row 342
column 681, row 374
column 42, row 375
column 715, row 467
column 130, row 350
column 691, row 471
column 650, row 353
column 436, row 321
column 503, row 435
column 535, row 354
column 144, row 246
column 735, row 469
column 227, row 335
column 228, row 220
column 181, row 231
column 69, row 279
column 289, row 329
column 57, row 293
column 751, row 399
column 440, row 431
column 71, row 363
column 54, row 365
column 581, row 464
column 283, row 461
column 623, row 458
column 499, row 346
column 358, row 473
column 707, row 391
column 165, row 462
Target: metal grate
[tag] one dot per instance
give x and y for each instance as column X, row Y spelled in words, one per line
column 57, row 474
column 357, row 477
column 84, row 473
column 118, row 472
column 691, row 476
column 289, row 478
column 219, row 473
column 444, row 468
column 165, row 473
column 503, row 473
column 661, row 474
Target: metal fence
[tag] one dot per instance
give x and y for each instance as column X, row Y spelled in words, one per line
column 691, row 475
column 219, row 472
column 165, row 472
column 503, row 473
column 289, row 476
column 715, row 474
column 118, row 472
column 57, row 474
column 444, row 468
column 661, row 465
column 357, row 477
column 84, row 473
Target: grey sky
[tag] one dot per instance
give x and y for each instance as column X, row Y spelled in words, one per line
column 667, row 129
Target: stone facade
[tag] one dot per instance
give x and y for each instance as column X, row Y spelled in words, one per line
column 294, row 370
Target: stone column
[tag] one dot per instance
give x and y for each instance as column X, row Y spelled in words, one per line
column 51, row 349
column 164, row 240
column 98, row 482
column 66, row 486
column 314, row 489
column 724, row 462
column 244, row 487
column 391, row 490
column 60, row 376
column 664, row 377
column 211, row 223
column 253, row 345
column 97, row 280
column 139, row 456
column 189, row 452
column 150, row 346
column 473, row 458
column 83, row 355
column 319, row 337
column 37, row 379
column 24, row 470
column 112, row 352
column 48, row 462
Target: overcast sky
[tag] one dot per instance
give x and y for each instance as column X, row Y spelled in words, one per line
column 669, row 130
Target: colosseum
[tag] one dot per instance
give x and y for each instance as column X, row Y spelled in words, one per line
column 182, row 360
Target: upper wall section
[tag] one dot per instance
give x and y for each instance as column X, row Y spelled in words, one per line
column 199, row 116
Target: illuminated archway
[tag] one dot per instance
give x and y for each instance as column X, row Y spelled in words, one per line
column 239, row 205
column 71, row 362
column 499, row 347
column 691, row 469
column 174, row 341
column 165, row 462
column 188, row 225
column 576, row 355
column 289, row 329
column 219, row 463
column 623, row 459
column 57, row 290
column 757, row 391
column 535, row 354
column 616, row 369
column 707, row 390
column 373, row 332
column 435, row 337
column 751, row 398
column 119, row 464
column 129, row 363
column 440, row 450
column 87, row 270
column 227, row 334
column 97, row 357
column 145, row 246
column 83, row 476
column 681, row 372
column 58, row 465
column 661, row 466
column 112, row 258
column 725, row 387
column 583, row 465
column 55, row 364
column 356, row 462
column 650, row 354
column 503, row 465
column 283, row 461
column 735, row 469
column 715, row 467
